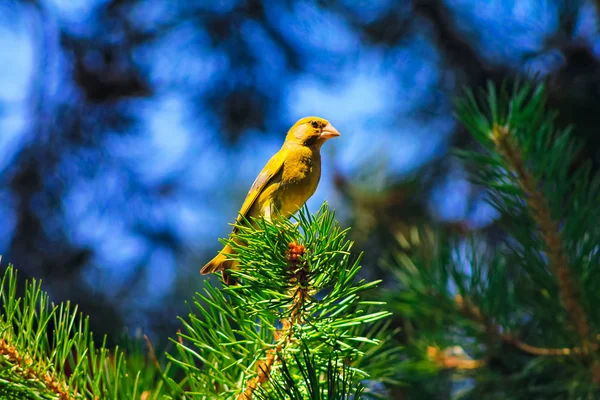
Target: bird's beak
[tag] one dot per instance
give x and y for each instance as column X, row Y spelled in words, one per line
column 329, row 132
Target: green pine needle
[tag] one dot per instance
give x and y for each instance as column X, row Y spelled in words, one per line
column 279, row 306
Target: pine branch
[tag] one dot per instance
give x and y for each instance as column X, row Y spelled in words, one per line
column 23, row 368
column 299, row 292
column 517, row 314
column 467, row 308
column 47, row 351
column 339, row 386
column 529, row 174
column 569, row 290
column 296, row 287
column 296, row 321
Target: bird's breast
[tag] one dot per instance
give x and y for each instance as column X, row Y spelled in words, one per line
column 301, row 174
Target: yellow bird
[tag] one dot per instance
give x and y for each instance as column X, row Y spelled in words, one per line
column 287, row 181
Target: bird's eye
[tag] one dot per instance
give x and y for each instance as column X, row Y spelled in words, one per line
column 314, row 124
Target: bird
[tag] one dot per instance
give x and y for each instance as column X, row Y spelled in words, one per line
column 285, row 183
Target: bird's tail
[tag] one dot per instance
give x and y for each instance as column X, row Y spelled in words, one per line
column 220, row 263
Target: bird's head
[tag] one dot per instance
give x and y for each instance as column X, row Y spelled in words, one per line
column 311, row 131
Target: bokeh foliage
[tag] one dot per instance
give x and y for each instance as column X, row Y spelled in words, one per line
column 511, row 318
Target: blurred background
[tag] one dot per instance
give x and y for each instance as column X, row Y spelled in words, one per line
column 131, row 130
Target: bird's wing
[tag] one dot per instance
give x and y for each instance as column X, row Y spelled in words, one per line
column 270, row 172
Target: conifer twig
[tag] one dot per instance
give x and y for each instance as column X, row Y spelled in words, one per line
column 474, row 313
column 23, row 366
column 568, row 289
column 298, row 277
column 290, row 297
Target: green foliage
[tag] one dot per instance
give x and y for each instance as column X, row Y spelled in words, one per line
column 514, row 319
column 47, row 352
column 295, row 327
column 301, row 320
column 339, row 385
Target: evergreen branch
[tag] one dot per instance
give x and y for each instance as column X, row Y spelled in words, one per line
column 471, row 311
column 264, row 371
column 22, row 365
column 569, row 292
column 340, row 384
column 47, row 351
column 296, row 285
column 298, row 278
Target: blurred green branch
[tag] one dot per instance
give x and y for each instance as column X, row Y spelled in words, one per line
column 517, row 316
